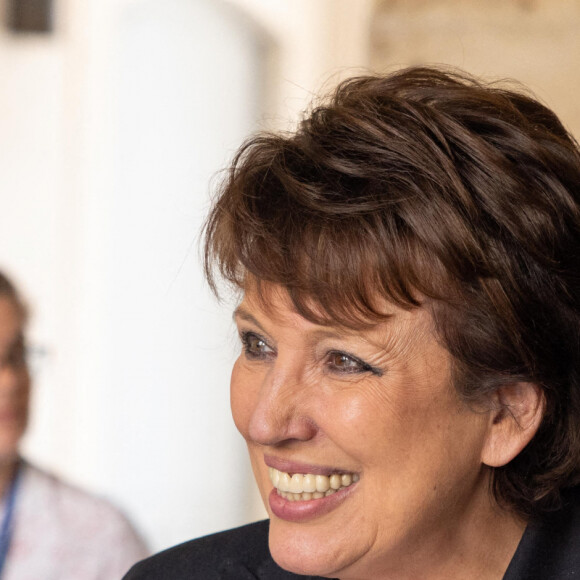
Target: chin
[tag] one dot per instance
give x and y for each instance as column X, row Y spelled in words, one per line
column 9, row 447
column 307, row 551
column 301, row 564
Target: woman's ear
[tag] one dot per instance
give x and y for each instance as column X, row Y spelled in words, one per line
column 518, row 409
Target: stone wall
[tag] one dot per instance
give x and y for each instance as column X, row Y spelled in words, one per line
column 536, row 42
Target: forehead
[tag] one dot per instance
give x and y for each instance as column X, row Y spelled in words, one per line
column 272, row 308
column 273, row 298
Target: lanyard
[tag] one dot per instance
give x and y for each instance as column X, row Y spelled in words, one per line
column 7, row 521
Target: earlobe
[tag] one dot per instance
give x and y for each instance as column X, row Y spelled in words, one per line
column 513, row 422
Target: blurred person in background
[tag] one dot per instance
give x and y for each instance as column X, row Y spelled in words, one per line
column 49, row 529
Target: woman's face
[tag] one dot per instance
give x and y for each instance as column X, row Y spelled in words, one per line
column 376, row 410
column 14, row 380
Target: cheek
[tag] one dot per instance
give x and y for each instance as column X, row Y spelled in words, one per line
column 24, row 386
column 385, row 426
column 242, row 397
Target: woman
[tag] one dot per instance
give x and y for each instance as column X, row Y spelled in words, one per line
column 48, row 529
column 408, row 385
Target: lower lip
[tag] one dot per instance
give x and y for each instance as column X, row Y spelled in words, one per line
column 300, row 511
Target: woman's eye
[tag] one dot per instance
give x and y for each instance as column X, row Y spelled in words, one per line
column 255, row 347
column 346, row 363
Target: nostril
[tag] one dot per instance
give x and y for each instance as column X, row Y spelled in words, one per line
column 283, row 428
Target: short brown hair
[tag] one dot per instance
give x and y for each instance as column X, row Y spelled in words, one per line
column 429, row 187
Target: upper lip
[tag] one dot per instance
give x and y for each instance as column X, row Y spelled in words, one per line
column 288, row 466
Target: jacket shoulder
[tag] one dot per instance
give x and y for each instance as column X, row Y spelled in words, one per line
column 550, row 548
column 240, row 554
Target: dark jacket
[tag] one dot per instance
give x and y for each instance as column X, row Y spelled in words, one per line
column 549, row 550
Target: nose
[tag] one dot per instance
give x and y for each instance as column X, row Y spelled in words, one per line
column 280, row 414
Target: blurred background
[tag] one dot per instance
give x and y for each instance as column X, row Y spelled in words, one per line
column 116, row 117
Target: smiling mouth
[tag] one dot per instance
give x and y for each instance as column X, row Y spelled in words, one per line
column 307, row 486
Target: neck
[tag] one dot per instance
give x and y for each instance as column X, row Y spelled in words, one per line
column 481, row 548
column 482, row 552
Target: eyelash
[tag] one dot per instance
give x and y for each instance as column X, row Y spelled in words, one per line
column 247, row 338
column 332, row 356
column 361, row 366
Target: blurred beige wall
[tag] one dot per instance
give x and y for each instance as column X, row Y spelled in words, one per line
column 536, row 42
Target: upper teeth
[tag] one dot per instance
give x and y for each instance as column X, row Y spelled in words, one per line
column 317, row 485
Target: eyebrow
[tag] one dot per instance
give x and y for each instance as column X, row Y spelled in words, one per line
column 241, row 313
